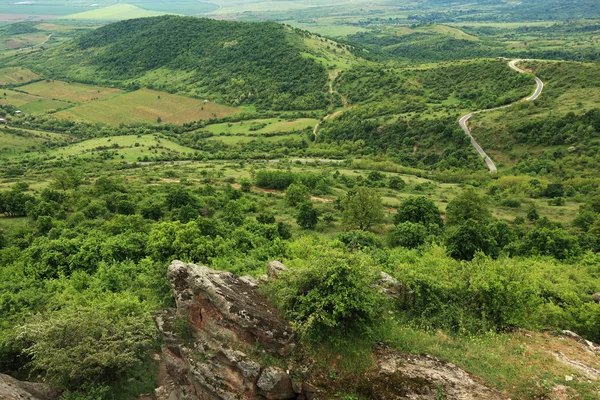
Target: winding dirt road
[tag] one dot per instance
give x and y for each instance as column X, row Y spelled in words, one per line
column 463, row 121
column 332, row 78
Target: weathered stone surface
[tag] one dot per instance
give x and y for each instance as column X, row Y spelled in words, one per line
column 276, row 384
column 12, row 389
column 424, row 377
column 390, row 286
column 596, row 297
column 226, row 318
column 221, row 304
column 275, row 268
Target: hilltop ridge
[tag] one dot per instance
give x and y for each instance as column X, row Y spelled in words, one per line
column 265, row 64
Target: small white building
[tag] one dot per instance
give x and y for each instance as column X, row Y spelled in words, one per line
column 2, row 120
column 18, row 112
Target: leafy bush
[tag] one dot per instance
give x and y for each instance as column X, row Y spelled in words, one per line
column 419, row 210
column 359, row 239
column 330, row 296
column 477, row 296
column 73, row 346
column 511, row 202
column 407, row 234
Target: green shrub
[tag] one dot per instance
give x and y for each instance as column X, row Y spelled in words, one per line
column 74, row 346
column 330, row 296
column 511, row 202
column 359, row 239
column 477, row 296
column 407, row 234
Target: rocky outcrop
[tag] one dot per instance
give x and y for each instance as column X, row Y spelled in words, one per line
column 218, row 335
column 226, row 342
column 12, row 389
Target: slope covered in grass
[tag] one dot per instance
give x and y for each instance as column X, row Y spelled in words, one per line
column 259, row 63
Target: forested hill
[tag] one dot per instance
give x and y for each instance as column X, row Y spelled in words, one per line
column 236, row 62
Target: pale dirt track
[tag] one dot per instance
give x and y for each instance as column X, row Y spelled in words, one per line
column 463, row 121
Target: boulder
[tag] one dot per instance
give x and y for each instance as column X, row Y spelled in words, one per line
column 276, row 384
column 221, row 304
column 390, row 286
column 275, row 268
column 217, row 336
column 596, row 297
column 12, row 389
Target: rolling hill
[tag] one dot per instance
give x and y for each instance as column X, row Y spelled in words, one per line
column 265, row 64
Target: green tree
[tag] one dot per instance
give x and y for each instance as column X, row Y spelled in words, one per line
column 65, row 179
column 467, row 205
column 419, row 210
column 550, row 241
column 246, row 185
column 307, row 216
column 469, row 238
column 532, row 213
column 362, row 208
column 396, row 183
column 296, row 194
column 407, row 234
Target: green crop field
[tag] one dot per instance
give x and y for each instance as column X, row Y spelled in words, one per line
column 72, row 92
column 16, row 75
column 146, row 106
column 269, row 125
column 114, row 13
column 29, row 103
column 233, row 140
column 13, row 143
column 125, row 148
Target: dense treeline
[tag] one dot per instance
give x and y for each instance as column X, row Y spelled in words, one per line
column 479, row 84
column 202, row 57
column 444, row 144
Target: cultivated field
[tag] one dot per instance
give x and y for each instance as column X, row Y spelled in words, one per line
column 10, row 143
column 146, row 106
column 266, row 126
column 29, row 103
column 16, row 75
column 71, row 92
column 126, row 148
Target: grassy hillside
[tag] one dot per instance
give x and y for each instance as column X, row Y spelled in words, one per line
column 265, row 64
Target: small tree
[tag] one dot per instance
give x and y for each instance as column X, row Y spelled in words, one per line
column 396, row 183
column 362, row 209
column 419, row 210
column 246, row 185
column 296, row 194
column 407, row 234
column 532, row 213
column 307, row 216
column 469, row 238
column 467, row 205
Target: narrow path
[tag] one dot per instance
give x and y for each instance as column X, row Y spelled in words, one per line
column 334, row 114
column 463, row 121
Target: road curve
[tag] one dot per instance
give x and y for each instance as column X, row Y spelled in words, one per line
column 463, row 121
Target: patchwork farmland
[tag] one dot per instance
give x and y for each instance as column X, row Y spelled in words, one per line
column 146, row 106
column 16, row 75
column 71, row 92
